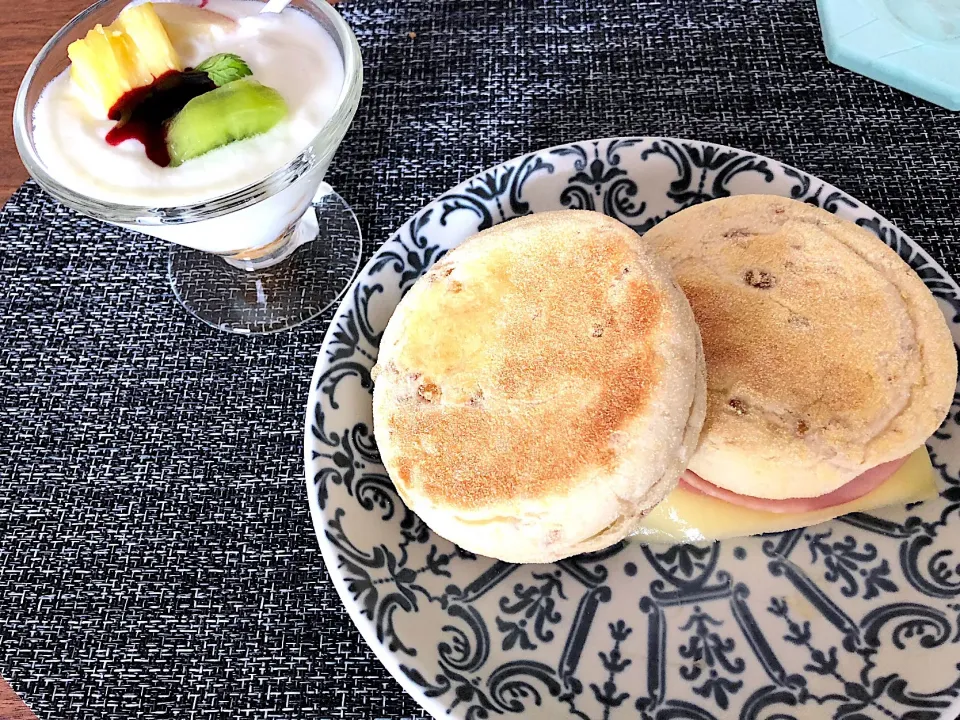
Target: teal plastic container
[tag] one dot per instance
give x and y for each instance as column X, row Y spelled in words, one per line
column 912, row 45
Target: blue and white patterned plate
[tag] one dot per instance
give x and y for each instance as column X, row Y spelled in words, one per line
column 855, row 619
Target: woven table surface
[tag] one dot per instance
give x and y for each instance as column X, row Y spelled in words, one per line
column 156, row 554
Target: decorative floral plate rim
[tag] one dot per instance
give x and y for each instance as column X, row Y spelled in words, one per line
column 786, row 625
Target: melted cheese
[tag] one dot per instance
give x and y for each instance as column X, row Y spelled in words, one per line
column 685, row 516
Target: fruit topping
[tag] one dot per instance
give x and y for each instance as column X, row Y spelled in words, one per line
column 130, row 53
column 235, row 111
column 225, row 68
column 132, row 70
column 145, row 111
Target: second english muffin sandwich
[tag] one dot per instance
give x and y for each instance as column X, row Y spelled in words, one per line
column 540, row 389
column 829, row 362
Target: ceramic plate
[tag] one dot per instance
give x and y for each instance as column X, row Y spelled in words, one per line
column 855, row 619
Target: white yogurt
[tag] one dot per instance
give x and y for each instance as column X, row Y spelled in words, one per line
column 289, row 52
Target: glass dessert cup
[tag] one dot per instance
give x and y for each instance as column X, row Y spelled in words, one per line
column 261, row 259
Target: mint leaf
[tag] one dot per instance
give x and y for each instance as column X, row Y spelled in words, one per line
column 224, row 68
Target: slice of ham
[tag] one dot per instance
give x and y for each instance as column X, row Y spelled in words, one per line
column 856, row 488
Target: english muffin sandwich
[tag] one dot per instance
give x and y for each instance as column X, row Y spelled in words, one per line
column 540, row 388
column 829, row 364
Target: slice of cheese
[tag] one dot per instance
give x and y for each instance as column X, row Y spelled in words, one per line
column 684, row 516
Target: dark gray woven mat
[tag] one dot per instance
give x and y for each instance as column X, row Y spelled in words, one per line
column 156, row 555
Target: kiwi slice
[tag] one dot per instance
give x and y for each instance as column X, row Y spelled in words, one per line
column 235, row 111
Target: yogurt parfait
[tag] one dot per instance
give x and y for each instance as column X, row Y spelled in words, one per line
column 209, row 124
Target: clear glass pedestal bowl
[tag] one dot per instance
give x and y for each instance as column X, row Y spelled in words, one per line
column 261, row 259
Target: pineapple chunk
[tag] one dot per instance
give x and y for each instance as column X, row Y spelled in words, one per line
column 143, row 26
column 127, row 54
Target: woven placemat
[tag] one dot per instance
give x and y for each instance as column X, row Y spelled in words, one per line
column 156, row 554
